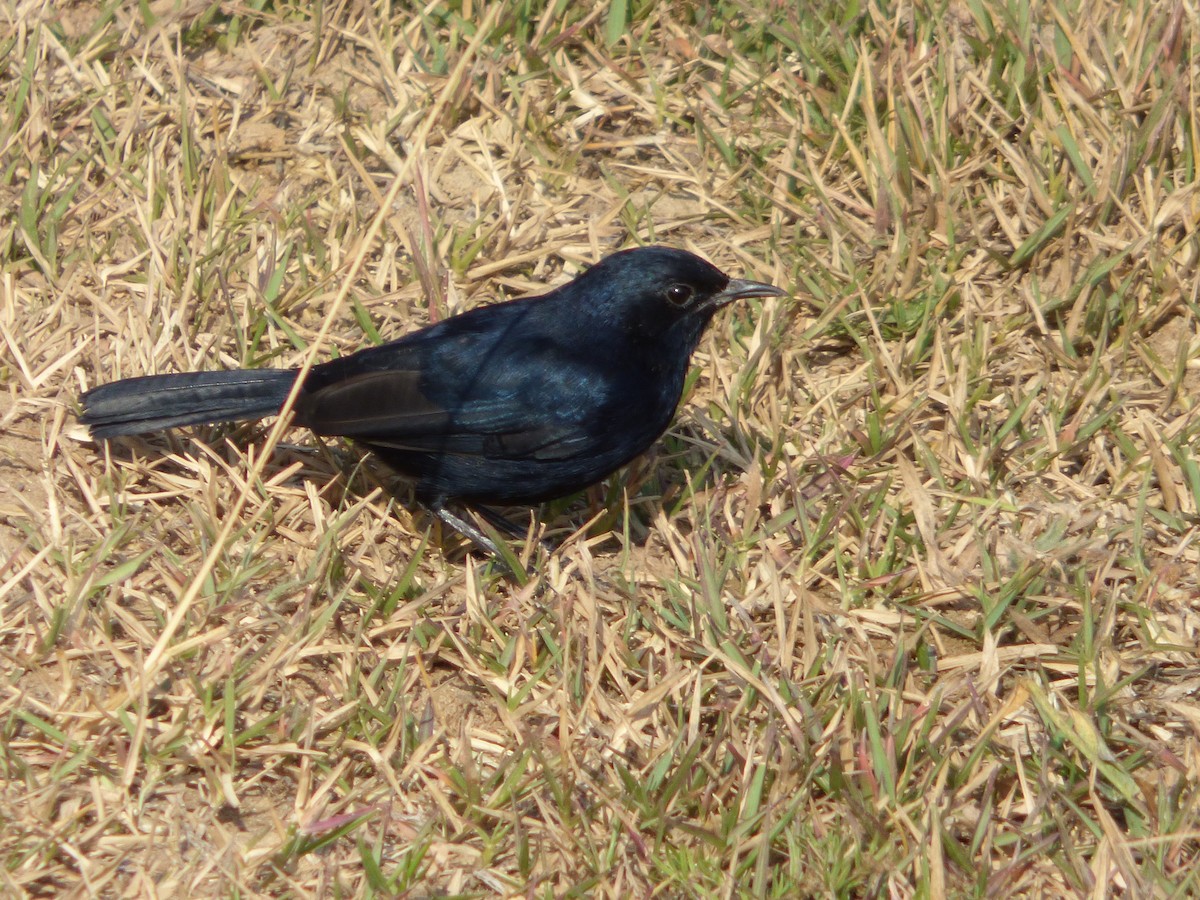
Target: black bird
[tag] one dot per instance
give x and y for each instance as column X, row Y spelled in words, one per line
column 514, row 403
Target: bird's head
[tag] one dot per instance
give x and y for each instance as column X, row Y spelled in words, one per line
column 660, row 294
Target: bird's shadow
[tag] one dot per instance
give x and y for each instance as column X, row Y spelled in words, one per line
column 346, row 473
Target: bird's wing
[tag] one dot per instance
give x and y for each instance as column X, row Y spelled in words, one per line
column 518, row 407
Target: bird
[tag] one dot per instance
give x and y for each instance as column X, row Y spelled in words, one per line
column 512, row 403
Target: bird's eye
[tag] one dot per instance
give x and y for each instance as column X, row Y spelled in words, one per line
column 679, row 294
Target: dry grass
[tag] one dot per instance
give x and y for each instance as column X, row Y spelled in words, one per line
column 906, row 603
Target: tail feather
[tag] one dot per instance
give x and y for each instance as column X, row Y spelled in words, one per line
column 154, row 402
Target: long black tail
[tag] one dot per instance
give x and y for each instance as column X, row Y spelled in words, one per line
column 138, row 405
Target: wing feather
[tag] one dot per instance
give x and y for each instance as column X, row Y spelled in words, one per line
column 389, row 409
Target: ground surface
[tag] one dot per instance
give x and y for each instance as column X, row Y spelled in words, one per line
column 906, row 602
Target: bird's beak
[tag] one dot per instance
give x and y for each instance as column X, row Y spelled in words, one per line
column 740, row 289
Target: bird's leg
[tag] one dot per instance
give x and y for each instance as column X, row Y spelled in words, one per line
column 474, row 535
column 466, row 529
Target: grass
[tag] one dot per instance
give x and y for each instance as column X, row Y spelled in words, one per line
column 905, row 603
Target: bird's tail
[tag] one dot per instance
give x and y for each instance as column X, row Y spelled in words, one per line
column 153, row 402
